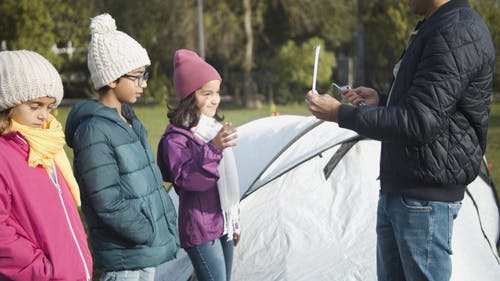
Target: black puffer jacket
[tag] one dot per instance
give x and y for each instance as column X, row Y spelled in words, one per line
column 433, row 130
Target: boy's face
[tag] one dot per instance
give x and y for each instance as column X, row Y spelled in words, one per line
column 34, row 112
column 208, row 98
column 128, row 89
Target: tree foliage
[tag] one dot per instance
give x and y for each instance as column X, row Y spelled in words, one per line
column 333, row 21
column 386, row 25
column 490, row 11
column 293, row 68
column 280, row 43
column 39, row 24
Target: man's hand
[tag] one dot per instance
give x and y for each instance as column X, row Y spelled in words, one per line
column 365, row 95
column 324, row 107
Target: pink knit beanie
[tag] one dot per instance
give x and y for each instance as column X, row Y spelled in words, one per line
column 191, row 72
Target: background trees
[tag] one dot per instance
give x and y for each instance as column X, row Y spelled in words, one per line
column 386, row 26
column 263, row 49
column 490, row 10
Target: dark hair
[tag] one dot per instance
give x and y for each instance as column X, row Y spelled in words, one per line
column 103, row 90
column 5, row 120
column 186, row 114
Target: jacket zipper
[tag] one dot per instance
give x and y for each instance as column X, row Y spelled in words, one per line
column 58, row 187
column 56, row 183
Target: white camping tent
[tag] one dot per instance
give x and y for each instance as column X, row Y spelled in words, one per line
column 309, row 194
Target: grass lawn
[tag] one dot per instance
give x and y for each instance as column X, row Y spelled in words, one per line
column 493, row 146
column 154, row 119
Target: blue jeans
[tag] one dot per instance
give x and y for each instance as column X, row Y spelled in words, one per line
column 145, row 274
column 213, row 260
column 414, row 238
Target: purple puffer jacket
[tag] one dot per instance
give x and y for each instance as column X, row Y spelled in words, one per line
column 190, row 165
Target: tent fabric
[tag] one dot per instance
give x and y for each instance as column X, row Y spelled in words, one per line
column 299, row 225
column 303, row 220
column 309, row 228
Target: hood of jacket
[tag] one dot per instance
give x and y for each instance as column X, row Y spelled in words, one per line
column 87, row 109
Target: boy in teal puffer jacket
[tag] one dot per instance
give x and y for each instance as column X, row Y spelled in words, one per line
column 131, row 219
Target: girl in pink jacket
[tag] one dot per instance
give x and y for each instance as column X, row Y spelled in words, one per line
column 41, row 234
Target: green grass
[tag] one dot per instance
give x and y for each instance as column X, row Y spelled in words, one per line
column 155, row 119
column 493, row 145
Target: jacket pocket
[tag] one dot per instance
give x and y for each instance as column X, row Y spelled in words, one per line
column 148, row 214
column 416, row 204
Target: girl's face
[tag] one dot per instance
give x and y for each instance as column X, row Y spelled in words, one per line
column 207, row 98
column 34, row 112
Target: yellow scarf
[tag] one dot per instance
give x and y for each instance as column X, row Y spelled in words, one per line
column 46, row 147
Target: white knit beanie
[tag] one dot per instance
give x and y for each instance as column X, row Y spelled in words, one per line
column 26, row 75
column 112, row 53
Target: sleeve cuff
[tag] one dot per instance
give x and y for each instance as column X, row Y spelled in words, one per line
column 346, row 118
column 382, row 98
column 215, row 150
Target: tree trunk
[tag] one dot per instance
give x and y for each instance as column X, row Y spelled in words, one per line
column 249, row 94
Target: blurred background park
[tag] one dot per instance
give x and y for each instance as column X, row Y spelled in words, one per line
column 264, row 49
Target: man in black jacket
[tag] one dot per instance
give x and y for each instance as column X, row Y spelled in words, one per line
column 432, row 124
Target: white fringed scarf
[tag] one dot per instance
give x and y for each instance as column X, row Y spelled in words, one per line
column 228, row 183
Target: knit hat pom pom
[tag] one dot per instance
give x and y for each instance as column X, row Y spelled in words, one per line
column 102, row 24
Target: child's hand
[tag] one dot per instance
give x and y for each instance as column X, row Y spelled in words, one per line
column 236, row 239
column 225, row 137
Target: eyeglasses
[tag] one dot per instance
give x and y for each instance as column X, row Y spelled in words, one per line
column 139, row 79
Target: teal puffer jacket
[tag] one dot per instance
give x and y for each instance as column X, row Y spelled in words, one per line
column 130, row 217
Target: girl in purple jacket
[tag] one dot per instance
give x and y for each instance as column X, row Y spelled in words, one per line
column 195, row 155
column 41, row 234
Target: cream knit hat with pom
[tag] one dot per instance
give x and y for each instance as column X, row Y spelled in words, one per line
column 26, row 75
column 112, row 53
